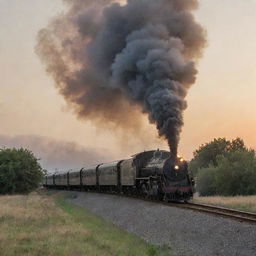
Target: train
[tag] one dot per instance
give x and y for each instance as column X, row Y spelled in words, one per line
column 154, row 174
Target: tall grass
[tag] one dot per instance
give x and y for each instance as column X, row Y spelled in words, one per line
column 243, row 203
column 40, row 225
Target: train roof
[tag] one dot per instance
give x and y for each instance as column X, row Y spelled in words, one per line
column 75, row 170
column 150, row 151
column 111, row 164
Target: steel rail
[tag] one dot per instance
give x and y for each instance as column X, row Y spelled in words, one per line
column 210, row 209
column 222, row 211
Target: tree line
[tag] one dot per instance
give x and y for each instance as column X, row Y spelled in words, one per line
column 220, row 167
column 224, row 167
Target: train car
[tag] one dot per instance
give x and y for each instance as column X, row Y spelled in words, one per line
column 109, row 176
column 49, row 181
column 89, row 179
column 61, row 180
column 74, row 178
column 128, row 176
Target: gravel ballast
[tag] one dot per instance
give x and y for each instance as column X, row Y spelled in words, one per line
column 188, row 233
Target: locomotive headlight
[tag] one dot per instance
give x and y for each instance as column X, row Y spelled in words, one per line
column 176, row 167
column 181, row 160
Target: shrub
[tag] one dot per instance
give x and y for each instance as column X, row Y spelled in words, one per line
column 234, row 174
column 206, row 184
column 20, row 171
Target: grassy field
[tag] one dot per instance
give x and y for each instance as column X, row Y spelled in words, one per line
column 40, row 224
column 243, row 203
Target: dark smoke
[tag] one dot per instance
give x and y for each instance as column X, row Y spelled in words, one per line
column 54, row 154
column 109, row 60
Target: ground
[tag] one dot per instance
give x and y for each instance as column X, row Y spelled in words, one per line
column 49, row 224
column 186, row 232
column 43, row 224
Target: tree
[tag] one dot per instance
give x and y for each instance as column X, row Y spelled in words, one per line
column 206, row 185
column 20, row 171
column 208, row 153
column 234, row 174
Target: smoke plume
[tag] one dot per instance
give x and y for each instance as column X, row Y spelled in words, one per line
column 114, row 61
column 56, row 155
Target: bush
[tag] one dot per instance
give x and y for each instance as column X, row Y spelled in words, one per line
column 234, row 174
column 20, row 171
column 206, row 184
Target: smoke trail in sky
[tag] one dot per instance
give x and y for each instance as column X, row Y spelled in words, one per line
column 112, row 61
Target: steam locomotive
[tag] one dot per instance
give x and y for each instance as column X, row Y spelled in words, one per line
column 152, row 174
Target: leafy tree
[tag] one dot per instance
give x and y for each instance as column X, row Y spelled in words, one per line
column 206, row 184
column 208, row 153
column 20, row 171
column 234, row 174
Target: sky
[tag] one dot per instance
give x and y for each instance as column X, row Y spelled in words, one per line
column 222, row 102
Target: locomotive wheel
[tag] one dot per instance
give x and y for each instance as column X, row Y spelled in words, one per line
column 154, row 190
column 150, row 190
column 145, row 190
column 160, row 196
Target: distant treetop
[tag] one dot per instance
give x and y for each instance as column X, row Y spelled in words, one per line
column 207, row 153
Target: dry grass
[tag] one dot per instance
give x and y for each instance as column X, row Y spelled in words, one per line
column 243, row 203
column 43, row 225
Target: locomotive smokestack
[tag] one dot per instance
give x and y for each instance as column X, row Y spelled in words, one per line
column 108, row 59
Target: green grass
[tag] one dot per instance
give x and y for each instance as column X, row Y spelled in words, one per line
column 48, row 225
column 242, row 203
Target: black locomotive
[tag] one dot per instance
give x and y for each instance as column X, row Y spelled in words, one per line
column 151, row 174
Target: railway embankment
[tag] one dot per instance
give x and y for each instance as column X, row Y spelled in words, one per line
column 187, row 232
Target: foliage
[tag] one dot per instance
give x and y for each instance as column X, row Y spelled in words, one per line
column 224, row 167
column 206, row 181
column 20, row 171
column 208, row 153
column 234, row 174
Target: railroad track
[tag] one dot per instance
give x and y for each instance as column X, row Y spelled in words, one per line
column 221, row 211
column 209, row 209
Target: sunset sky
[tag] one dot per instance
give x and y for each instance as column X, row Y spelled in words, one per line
column 222, row 103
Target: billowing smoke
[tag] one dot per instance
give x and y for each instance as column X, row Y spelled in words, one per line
column 56, row 155
column 111, row 61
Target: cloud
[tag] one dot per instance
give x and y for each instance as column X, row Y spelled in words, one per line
column 54, row 154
